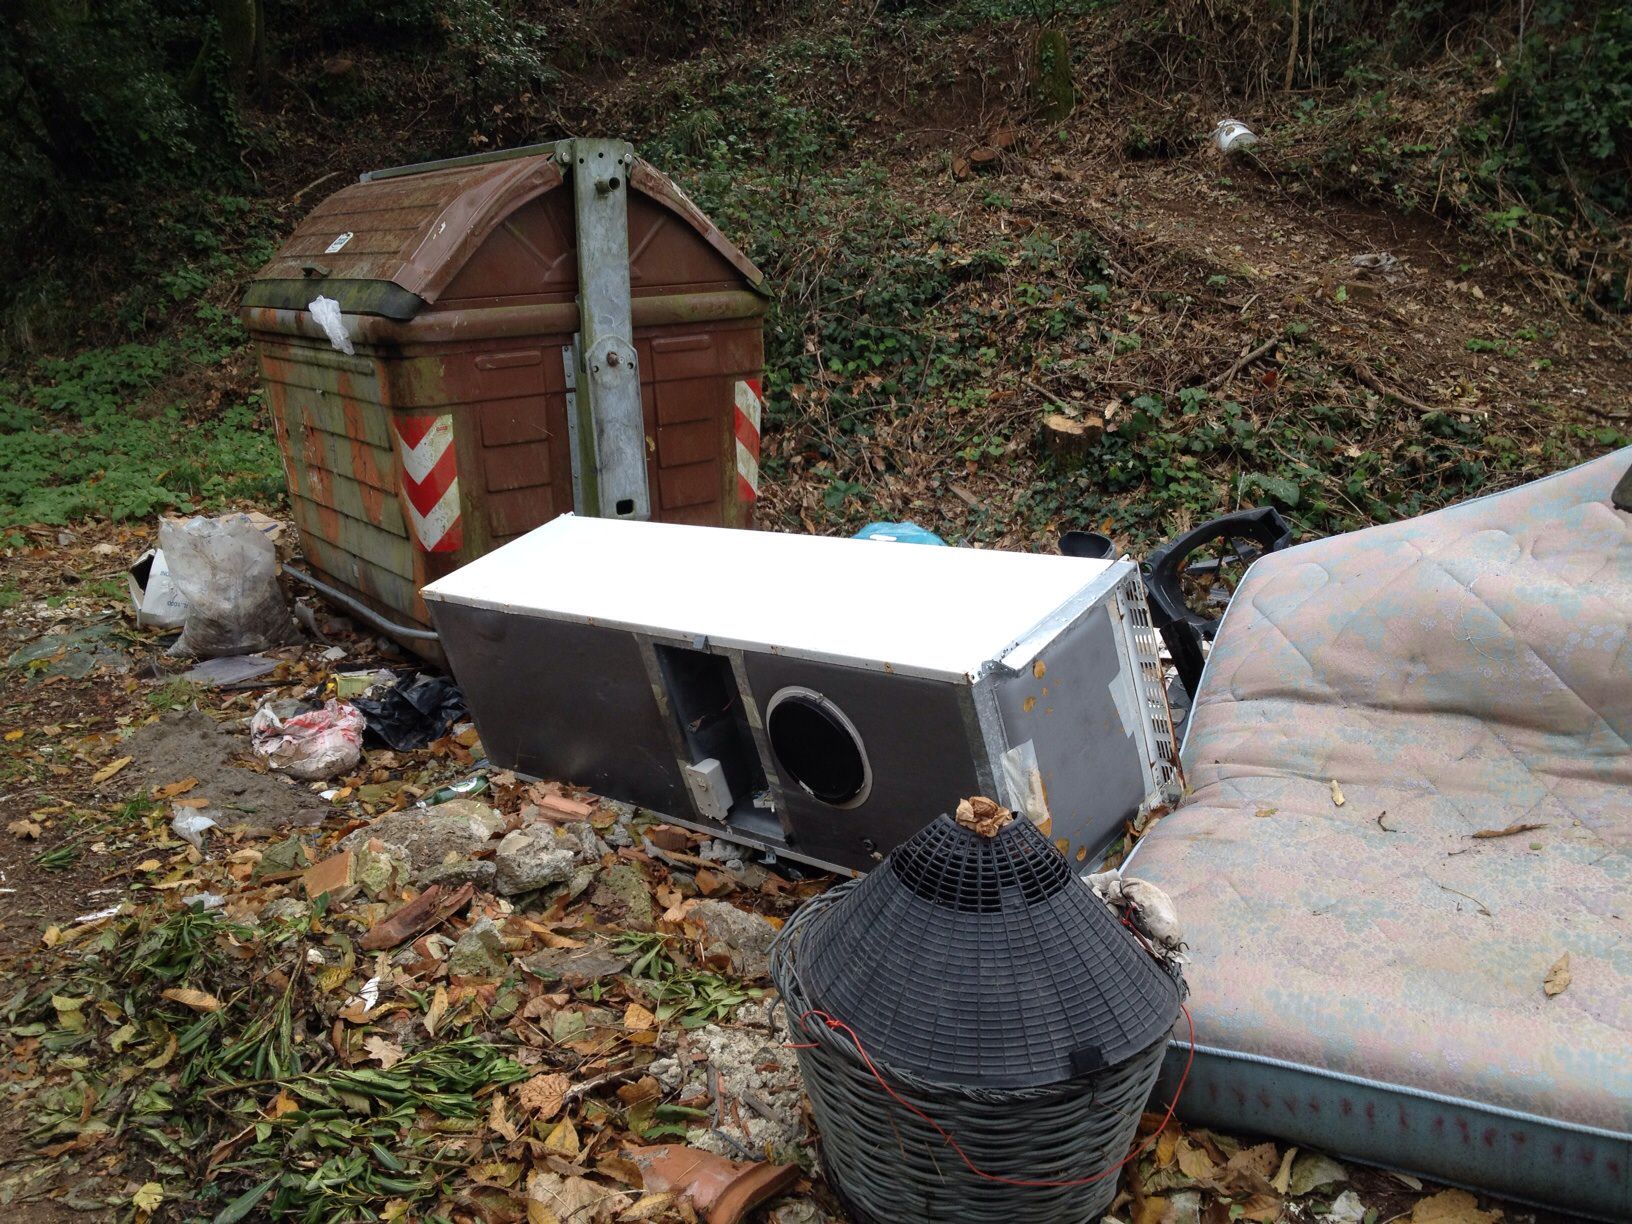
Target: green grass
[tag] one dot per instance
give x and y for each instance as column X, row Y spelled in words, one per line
column 93, row 435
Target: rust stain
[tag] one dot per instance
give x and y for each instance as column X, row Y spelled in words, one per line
column 373, row 499
column 1038, row 668
column 1029, row 704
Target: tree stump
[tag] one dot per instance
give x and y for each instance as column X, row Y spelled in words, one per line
column 1067, row 440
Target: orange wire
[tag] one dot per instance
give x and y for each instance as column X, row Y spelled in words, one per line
column 841, row 1026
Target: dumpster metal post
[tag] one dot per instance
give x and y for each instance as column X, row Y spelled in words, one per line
column 610, row 459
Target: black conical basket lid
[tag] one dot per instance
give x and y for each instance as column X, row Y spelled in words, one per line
column 984, row 961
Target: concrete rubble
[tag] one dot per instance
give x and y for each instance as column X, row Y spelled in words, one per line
column 751, row 1080
column 742, row 938
column 454, row 830
column 533, row 857
column 479, row 952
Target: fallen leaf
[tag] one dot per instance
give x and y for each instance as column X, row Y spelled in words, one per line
column 24, row 828
column 171, row 789
column 543, row 1094
column 651, row 1207
column 437, row 1009
column 1282, row 1180
column 107, row 771
column 13, row 736
column 1264, row 812
column 1558, row 977
column 1264, row 1208
column 1195, row 1163
column 1337, row 793
column 637, row 1018
column 1451, row 1207
column 281, row 1104
column 70, row 1013
column 198, row 1000
column 711, row 883
column 1509, row 831
column 147, row 1197
column 1312, row 1170
column 162, row 1059
column 498, row 1117
column 563, row 1139
column 552, row 1199
column 387, row 1052
column 1167, row 1144
column 983, row 816
column 1249, row 1170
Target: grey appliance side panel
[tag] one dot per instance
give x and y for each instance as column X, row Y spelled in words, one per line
column 1078, row 711
column 557, row 699
column 917, row 746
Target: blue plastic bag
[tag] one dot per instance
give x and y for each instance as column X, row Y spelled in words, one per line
column 899, row 533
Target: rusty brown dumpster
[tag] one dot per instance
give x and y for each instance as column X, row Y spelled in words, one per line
column 452, row 401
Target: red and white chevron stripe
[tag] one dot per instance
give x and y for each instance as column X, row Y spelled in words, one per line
column 430, row 480
column 748, row 401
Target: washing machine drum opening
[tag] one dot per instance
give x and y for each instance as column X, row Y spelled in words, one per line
column 817, row 748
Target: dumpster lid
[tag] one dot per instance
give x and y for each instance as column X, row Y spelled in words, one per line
column 414, row 229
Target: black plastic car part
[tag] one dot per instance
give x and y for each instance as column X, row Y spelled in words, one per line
column 1165, row 567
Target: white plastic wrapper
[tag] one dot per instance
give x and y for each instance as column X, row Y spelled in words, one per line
column 326, row 311
column 311, row 745
column 190, row 824
column 227, row 571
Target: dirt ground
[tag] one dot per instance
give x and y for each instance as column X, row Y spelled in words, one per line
column 1227, row 262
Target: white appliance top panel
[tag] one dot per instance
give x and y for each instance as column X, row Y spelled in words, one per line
column 912, row 607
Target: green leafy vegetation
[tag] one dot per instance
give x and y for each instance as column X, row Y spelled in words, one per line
column 85, row 437
column 693, row 997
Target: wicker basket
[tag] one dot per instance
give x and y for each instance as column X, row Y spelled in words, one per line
column 889, row 1166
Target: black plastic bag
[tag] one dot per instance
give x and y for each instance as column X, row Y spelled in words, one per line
column 412, row 714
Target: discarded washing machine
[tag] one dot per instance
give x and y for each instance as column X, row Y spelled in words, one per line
column 813, row 695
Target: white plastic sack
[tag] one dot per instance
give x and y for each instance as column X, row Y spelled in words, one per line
column 310, row 745
column 227, row 571
column 326, row 313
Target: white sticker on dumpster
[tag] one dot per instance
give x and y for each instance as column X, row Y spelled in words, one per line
column 340, row 240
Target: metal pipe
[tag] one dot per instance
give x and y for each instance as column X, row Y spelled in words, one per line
column 361, row 609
